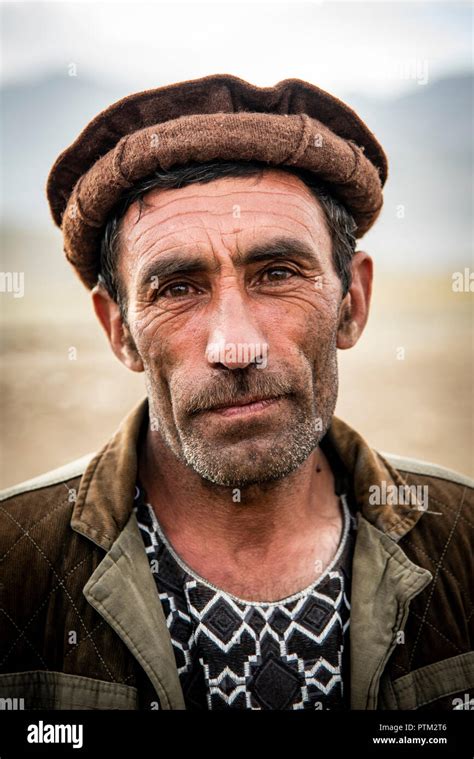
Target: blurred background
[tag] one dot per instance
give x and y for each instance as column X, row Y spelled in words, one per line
column 405, row 67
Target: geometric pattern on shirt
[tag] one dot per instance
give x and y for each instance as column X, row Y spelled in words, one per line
column 231, row 653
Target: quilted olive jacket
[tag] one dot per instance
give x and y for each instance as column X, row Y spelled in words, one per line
column 82, row 626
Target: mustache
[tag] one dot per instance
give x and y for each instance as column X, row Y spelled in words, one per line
column 235, row 389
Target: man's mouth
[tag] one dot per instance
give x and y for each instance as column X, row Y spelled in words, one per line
column 244, row 406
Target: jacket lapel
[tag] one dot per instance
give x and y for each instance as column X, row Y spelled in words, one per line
column 122, row 589
column 384, row 581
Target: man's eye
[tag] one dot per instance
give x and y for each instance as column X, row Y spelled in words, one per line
column 280, row 270
column 176, row 290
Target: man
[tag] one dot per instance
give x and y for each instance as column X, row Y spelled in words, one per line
column 234, row 545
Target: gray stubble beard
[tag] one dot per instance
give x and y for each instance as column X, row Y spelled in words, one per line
column 256, row 465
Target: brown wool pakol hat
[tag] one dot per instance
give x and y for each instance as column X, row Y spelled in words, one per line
column 220, row 116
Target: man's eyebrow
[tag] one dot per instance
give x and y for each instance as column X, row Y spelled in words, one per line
column 182, row 263
column 170, row 264
column 281, row 247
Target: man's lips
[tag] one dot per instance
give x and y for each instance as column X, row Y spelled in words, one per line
column 244, row 407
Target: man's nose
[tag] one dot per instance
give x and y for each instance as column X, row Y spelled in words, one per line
column 235, row 341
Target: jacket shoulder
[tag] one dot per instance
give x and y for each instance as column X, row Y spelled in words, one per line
column 45, row 566
column 432, row 668
column 426, row 469
column 57, row 476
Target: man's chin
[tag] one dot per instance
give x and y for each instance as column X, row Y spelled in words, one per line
column 240, row 479
column 251, row 465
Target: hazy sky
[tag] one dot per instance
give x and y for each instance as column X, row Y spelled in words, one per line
column 375, row 47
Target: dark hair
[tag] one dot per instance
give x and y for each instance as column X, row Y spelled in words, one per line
column 340, row 222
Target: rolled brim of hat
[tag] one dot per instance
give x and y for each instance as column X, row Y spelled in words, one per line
column 219, row 117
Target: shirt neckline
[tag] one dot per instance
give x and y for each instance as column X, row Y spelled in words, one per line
column 288, row 599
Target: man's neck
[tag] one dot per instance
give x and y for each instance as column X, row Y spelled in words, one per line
column 259, row 531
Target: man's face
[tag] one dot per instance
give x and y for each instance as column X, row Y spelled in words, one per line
column 253, row 312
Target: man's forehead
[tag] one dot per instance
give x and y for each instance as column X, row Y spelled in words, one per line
column 239, row 207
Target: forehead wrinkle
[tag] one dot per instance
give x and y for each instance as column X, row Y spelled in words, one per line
column 162, row 237
column 307, row 226
column 191, row 212
column 304, row 195
column 305, row 208
column 308, row 200
column 280, row 214
column 219, row 214
column 189, row 191
column 206, row 228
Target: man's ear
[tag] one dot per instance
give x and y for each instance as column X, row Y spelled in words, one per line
column 354, row 309
column 120, row 339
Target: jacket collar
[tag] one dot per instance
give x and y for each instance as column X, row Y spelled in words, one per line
column 369, row 471
column 105, row 498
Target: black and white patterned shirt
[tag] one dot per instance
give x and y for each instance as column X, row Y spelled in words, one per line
column 231, row 653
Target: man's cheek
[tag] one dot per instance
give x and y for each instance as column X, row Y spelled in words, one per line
column 147, row 321
column 318, row 336
column 148, row 337
column 160, row 357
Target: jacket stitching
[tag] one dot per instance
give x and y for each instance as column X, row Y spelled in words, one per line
column 403, row 523
column 45, row 601
column 437, row 572
column 32, row 526
column 129, row 677
column 436, row 500
column 69, row 596
column 99, row 535
column 59, row 476
column 449, row 508
column 441, row 473
column 414, row 681
column 402, row 669
column 418, row 549
column 74, row 648
column 16, row 641
column 430, row 624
